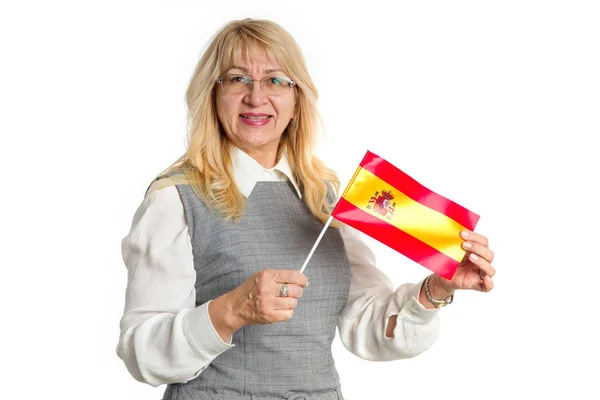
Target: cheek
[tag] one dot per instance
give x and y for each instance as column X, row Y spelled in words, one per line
column 286, row 108
column 219, row 108
column 225, row 110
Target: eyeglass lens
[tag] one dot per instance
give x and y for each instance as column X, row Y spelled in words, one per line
column 271, row 86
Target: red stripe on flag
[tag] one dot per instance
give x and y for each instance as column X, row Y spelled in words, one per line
column 413, row 189
column 398, row 240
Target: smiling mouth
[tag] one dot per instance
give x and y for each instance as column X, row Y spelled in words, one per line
column 256, row 120
column 256, row 117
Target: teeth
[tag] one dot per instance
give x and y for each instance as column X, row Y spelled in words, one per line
column 252, row 117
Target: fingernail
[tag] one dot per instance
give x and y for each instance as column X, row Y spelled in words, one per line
column 474, row 257
column 306, row 284
column 464, row 234
column 467, row 245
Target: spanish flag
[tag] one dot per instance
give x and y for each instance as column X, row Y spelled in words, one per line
column 391, row 207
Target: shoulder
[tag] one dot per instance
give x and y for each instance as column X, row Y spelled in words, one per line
column 161, row 200
column 166, row 180
column 158, row 220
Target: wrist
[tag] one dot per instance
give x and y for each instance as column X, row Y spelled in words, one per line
column 438, row 288
column 232, row 318
column 223, row 316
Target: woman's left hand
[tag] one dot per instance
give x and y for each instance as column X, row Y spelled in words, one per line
column 475, row 271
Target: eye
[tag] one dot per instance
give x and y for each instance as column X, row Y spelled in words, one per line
column 238, row 79
column 277, row 81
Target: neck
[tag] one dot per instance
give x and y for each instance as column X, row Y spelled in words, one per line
column 265, row 157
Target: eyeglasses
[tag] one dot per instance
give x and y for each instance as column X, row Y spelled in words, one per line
column 271, row 85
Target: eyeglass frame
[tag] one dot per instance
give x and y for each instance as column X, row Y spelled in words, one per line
column 249, row 85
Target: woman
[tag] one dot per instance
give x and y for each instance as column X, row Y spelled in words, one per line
column 215, row 305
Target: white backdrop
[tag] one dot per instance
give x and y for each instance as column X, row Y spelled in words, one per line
column 492, row 104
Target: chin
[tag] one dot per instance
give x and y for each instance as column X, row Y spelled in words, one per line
column 259, row 141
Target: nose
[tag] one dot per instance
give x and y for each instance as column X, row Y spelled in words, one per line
column 255, row 96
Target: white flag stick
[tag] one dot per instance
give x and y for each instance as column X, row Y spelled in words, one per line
column 316, row 243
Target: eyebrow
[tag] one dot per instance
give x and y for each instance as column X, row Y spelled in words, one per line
column 266, row 71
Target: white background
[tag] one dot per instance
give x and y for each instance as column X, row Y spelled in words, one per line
column 492, row 104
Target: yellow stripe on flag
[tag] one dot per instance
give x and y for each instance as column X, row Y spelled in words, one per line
column 412, row 217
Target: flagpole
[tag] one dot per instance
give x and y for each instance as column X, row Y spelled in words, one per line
column 316, row 243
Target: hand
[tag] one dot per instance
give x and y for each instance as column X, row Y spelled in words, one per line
column 475, row 271
column 258, row 299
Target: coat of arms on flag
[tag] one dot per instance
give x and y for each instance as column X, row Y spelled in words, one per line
column 382, row 203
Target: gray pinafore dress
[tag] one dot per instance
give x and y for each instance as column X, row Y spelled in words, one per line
column 284, row 360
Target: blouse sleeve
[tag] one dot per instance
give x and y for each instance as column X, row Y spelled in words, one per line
column 372, row 301
column 164, row 337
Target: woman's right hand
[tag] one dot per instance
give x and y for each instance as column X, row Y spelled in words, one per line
column 257, row 301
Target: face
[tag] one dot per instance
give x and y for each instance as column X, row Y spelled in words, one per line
column 253, row 121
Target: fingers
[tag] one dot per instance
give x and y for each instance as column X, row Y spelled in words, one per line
column 289, row 276
column 482, row 264
column 282, row 315
column 270, row 315
column 478, row 244
column 474, row 237
column 294, row 291
column 264, row 303
column 487, row 284
column 283, row 309
column 479, row 251
column 480, row 255
column 285, row 303
column 272, row 279
column 268, row 288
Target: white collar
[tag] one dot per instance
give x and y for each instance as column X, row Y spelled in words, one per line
column 247, row 171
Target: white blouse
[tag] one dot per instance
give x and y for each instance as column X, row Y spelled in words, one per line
column 165, row 338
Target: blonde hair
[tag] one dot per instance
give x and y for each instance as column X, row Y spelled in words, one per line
column 207, row 165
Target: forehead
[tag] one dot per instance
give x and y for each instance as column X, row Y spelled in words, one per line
column 253, row 61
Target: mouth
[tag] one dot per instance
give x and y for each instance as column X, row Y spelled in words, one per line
column 256, row 117
column 252, row 119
